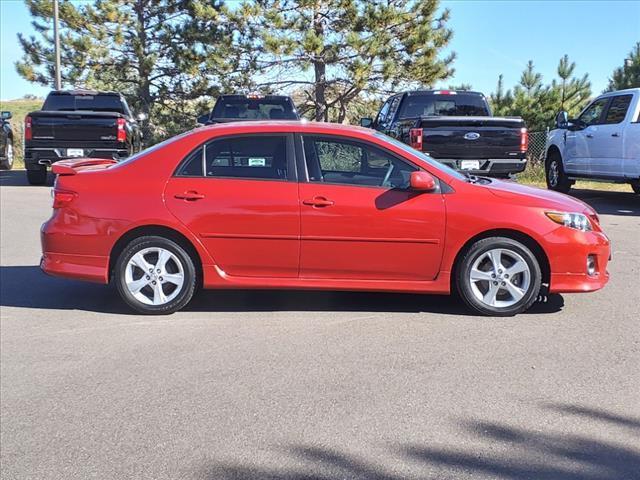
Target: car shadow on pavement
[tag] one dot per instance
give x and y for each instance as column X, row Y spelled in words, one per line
column 28, row 287
column 610, row 203
column 18, row 178
column 490, row 450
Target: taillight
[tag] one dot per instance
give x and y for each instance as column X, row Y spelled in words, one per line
column 122, row 133
column 28, row 132
column 524, row 140
column 62, row 198
column 415, row 138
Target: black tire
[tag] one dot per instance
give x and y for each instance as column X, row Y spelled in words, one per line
column 512, row 249
column 37, row 177
column 8, row 156
column 635, row 186
column 554, row 173
column 185, row 291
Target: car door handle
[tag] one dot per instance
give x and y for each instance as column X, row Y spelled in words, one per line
column 589, row 135
column 318, row 202
column 189, row 196
column 615, row 134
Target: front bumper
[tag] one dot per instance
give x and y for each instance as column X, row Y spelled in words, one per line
column 569, row 260
column 497, row 167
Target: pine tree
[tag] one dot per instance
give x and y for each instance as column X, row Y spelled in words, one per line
column 153, row 51
column 627, row 76
column 337, row 50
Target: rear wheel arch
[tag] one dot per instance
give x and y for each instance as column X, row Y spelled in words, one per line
column 526, row 240
column 160, row 231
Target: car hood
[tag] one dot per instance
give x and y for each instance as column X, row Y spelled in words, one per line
column 538, row 197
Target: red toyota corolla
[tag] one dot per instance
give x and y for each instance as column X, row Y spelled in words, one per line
column 313, row 206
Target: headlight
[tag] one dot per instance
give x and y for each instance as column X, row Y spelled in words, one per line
column 572, row 220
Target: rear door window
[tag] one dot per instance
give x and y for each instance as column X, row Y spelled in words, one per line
column 257, row 157
column 618, row 109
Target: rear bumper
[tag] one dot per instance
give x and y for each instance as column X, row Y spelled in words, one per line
column 80, row 267
column 489, row 167
column 35, row 157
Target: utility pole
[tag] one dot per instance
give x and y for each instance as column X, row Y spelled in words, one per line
column 56, row 34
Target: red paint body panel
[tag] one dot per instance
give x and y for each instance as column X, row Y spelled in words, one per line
column 264, row 234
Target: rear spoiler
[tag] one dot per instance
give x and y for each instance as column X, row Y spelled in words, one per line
column 68, row 167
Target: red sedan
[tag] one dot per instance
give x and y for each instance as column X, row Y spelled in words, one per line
column 313, row 206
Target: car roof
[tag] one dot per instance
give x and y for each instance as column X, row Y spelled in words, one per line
column 435, row 91
column 81, row 91
column 286, row 126
column 618, row 92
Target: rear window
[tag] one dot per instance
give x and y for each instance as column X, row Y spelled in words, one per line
column 94, row 103
column 461, row 104
column 255, row 108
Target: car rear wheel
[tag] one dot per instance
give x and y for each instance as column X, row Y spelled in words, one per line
column 499, row 276
column 155, row 275
column 556, row 178
column 7, row 162
column 37, row 177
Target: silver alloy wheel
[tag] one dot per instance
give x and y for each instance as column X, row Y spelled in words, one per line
column 9, row 154
column 154, row 276
column 500, row 278
column 554, row 173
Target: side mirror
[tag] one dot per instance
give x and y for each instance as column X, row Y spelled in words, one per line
column 6, row 115
column 562, row 119
column 141, row 117
column 422, row 182
column 366, row 122
column 203, row 119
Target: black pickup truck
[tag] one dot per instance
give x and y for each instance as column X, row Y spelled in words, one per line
column 457, row 129
column 239, row 108
column 79, row 123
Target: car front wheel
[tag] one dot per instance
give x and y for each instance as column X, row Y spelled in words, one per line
column 556, row 178
column 155, row 275
column 499, row 276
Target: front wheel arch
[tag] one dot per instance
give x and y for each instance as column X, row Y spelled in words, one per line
column 160, row 231
column 526, row 240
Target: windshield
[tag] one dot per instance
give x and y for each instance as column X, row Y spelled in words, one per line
column 92, row 103
column 266, row 108
column 422, row 156
column 458, row 105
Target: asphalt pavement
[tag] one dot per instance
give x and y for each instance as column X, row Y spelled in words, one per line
column 314, row 385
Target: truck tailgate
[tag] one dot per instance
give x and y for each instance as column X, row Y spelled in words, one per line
column 471, row 137
column 74, row 126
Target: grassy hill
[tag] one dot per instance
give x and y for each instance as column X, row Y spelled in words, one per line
column 19, row 109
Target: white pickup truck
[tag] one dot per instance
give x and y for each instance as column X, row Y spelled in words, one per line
column 603, row 143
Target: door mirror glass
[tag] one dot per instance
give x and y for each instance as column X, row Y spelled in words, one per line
column 203, row 119
column 366, row 122
column 6, row 115
column 422, row 182
column 562, row 119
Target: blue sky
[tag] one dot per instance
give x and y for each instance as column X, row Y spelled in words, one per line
column 490, row 37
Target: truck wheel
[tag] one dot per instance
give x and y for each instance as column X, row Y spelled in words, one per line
column 7, row 162
column 556, row 178
column 499, row 276
column 37, row 177
column 155, row 275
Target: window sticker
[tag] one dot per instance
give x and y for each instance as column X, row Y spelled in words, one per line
column 257, row 162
